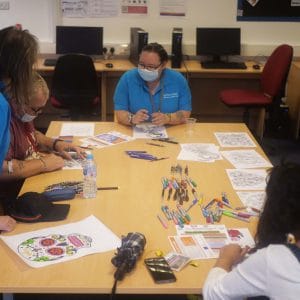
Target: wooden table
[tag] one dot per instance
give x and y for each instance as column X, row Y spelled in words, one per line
column 293, row 98
column 133, row 207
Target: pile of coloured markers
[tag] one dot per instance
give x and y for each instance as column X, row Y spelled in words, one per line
column 178, row 188
column 143, row 155
column 179, row 216
column 214, row 211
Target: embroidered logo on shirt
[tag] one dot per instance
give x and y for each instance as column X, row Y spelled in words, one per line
column 171, row 95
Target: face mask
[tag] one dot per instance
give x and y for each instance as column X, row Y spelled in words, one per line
column 27, row 118
column 148, row 75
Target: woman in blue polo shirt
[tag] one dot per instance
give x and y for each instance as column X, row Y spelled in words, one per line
column 152, row 92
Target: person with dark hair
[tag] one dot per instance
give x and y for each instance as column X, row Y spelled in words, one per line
column 272, row 269
column 152, row 92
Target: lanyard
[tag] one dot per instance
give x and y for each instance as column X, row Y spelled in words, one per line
column 161, row 95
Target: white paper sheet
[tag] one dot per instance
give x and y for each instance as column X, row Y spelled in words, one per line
column 199, row 152
column 247, row 179
column 63, row 243
column 241, row 236
column 244, row 159
column 149, row 131
column 77, row 129
column 253, row 199
column 234, row 139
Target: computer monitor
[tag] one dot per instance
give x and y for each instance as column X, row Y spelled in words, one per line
column 138, row 39
column 218, row 42
column 77, row 39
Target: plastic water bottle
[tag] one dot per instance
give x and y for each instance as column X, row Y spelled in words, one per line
column 89, row 177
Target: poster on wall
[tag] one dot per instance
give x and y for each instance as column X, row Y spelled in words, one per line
column 89, row 8
column 134, row 7
column 176, row 8
column 268, row 10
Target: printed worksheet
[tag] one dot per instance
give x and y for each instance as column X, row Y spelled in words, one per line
column 193, row 246
column 199, row 152
column 247, row 179
column 244, row 159
column 215, row 236
column 234, row 139
column 149, row 131
column 62, row 243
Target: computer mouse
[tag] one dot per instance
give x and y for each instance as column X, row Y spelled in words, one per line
column 109, row 65
column 256, row 67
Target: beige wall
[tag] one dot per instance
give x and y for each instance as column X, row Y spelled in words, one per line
column 258, row 38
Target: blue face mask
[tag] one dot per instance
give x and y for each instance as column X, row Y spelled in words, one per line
column 148, row 75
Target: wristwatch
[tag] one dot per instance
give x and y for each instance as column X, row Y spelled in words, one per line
column 130, row 117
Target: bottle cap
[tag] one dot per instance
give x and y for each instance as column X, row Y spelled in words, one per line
column 89, row 155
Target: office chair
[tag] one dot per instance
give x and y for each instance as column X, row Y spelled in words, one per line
column 75, row 86
column 272, row 87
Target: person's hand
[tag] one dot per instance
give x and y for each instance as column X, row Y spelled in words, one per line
column 159, row 118
column 140, row 116
column 63, row 148
column 52, row 162
column 230, row 255
column 7, row 223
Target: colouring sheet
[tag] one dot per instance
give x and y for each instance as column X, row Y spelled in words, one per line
column 149, row 131
column 234, row 139
column 106, row 139
column 247, row 179
column 253, row 199
column 243, row 159
column 63, row 243
column 241, row 236
column 199, row 152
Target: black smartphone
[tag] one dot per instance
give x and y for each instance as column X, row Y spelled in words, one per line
column 160, row 270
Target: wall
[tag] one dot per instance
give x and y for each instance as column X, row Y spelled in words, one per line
column 258, row 38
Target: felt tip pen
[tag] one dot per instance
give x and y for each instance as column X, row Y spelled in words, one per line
column 162, row 221
column 232, row 215
column 166, row 141
column 153, row 144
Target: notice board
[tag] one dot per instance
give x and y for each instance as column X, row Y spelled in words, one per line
column 268, row 10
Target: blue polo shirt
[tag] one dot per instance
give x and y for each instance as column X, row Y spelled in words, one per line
column 4, row 126
column 173, row 93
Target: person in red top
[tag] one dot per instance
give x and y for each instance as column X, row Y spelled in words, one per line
column 30, row 151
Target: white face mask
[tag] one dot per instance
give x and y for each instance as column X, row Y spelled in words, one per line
column 27, row 118
column 148, row 75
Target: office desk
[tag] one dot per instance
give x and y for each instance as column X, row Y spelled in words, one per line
column 133, row 207
column 205, row 86
column 293, row 98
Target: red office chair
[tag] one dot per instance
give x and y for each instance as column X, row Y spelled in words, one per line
column 75, row 86
column 272, row 86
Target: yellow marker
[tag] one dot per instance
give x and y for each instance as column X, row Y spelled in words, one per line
column 159, row 253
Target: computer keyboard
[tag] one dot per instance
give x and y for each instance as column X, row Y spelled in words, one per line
column 50, row 62
column 223, row 65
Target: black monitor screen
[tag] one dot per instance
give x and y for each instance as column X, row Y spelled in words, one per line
column 218, row 41
column 83, row 40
